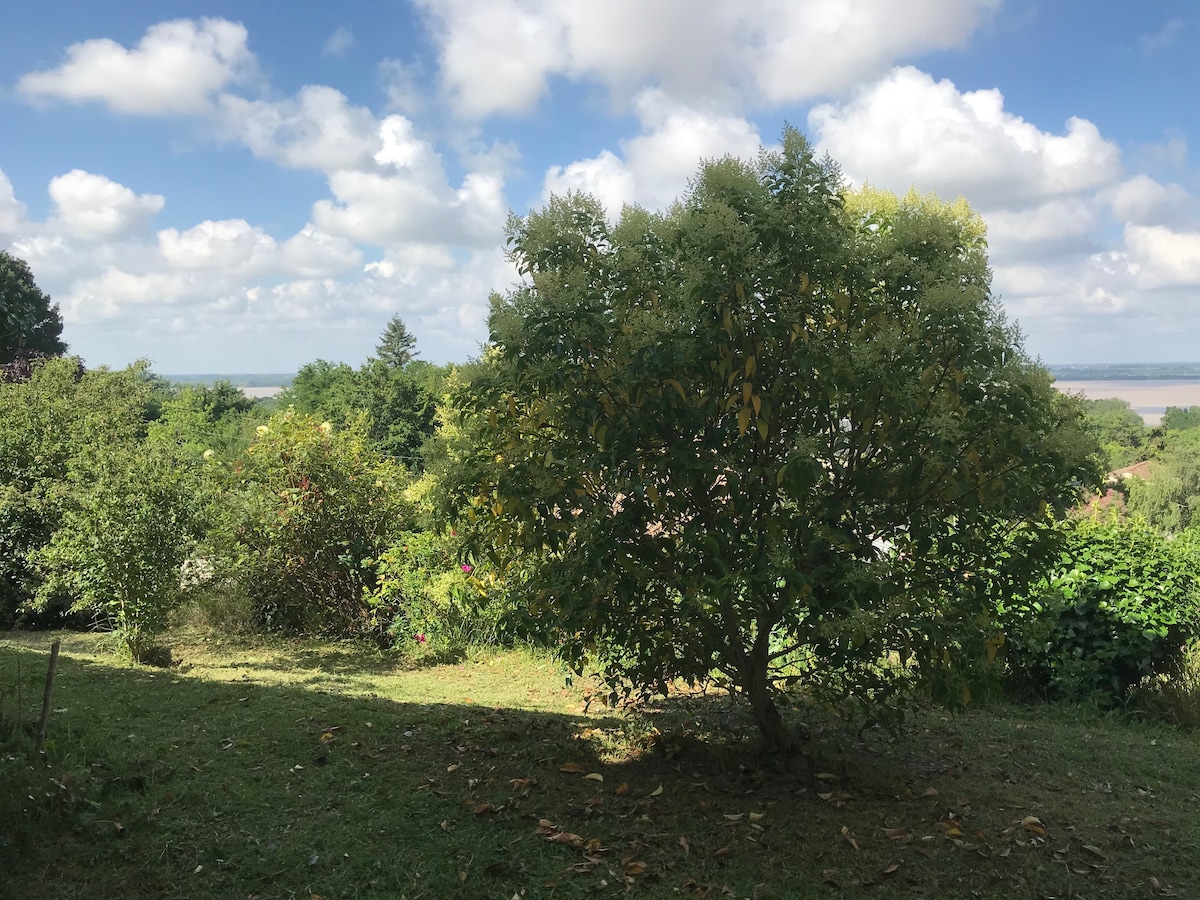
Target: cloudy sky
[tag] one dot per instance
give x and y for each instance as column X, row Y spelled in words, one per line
column 246, row 187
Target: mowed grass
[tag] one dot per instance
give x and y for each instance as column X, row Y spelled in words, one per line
column 272, row 769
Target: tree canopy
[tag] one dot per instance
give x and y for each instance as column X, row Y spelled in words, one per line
column 396, row 346
column 779, row 432
column 29, row 323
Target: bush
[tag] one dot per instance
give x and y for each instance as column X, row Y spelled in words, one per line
column 121, row 545
column 1122, row 604
column 58, row 424
column 311, row 510
column 428, row 598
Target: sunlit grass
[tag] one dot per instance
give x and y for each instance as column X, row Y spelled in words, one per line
column 276, row 769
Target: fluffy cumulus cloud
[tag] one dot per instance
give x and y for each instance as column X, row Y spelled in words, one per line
column 654, row 166
column 498, row 56
column 317, row 129
column 909, row 129
column 406, row 196
column 233, row 246
column 95, row 208
column 175, row 68
column 12, row 211
column 1076, row 243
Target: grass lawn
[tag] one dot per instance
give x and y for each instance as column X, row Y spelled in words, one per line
column 288, row 770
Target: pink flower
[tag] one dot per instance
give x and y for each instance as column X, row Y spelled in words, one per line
column 419, row 637
column 466, row 569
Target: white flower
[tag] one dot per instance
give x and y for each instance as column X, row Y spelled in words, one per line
column 326, row 427
column 208, row 454
column 261, row 430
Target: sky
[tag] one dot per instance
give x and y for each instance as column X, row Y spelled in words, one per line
column 228, row 187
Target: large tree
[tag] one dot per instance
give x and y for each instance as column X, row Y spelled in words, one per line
column 396, row 348
column 778, row 433
column 30, row 325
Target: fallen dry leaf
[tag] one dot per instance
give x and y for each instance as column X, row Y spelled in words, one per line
column 594, row 776
column 1034, row 824
column 654, row 793
column 572, row 768
column 850, row 838
column 622, row 789
column 898, row 834
column 890, row 870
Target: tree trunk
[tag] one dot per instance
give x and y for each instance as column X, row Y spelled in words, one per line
column 766, row 713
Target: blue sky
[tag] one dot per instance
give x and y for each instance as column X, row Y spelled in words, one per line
column 246, row 187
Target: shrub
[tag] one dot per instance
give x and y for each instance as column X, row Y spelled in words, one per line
column 311, row 510
column 428, row 597
column 121, row 544
column 1121, row 605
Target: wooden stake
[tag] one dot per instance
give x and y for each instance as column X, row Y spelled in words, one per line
column 41, row 728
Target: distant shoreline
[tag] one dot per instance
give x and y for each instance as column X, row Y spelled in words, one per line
column 1148, row 397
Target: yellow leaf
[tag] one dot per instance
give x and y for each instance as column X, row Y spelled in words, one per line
column 497, row 508
column 756, row 817
column 743, row 420
column 594, row 776
column 572, row 768
column 678, row 387
column 756, row 402
column 751, row 365
column 656, row 792
column 622, row 789
column 747, row 392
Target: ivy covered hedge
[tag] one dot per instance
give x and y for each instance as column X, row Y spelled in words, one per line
column 1122, row 603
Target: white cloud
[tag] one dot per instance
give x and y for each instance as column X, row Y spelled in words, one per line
column 1144, row 201
column 93, row 207
column 12, row 211
column 175, row 68
column 338, row 43
column 1054, row 228
column 235, row 247
column 497, row 56
column 318, row 129
column 1161, row 257
column 908, row 130
column 407, row 197
column 655, row 166
column 605, row 177
column 402, row 84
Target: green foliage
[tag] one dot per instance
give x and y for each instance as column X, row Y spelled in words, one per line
column 1170, row 498
column 29, row 323
column 692, row 433
column 1177, row 419
column 121, row 543
column 429, row 599
column 399, row 412
column 58, row 426
column 311, row 510
column 396, row 347
column 1121, row 604
column 1119, row 430
column 196, row 419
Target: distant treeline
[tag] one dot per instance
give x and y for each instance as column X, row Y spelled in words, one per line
column 258, row 379
column 1126, row 371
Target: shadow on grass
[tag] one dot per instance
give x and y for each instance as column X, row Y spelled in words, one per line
column 160, row 784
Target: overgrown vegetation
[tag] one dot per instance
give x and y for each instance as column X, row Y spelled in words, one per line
column 778, row 443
